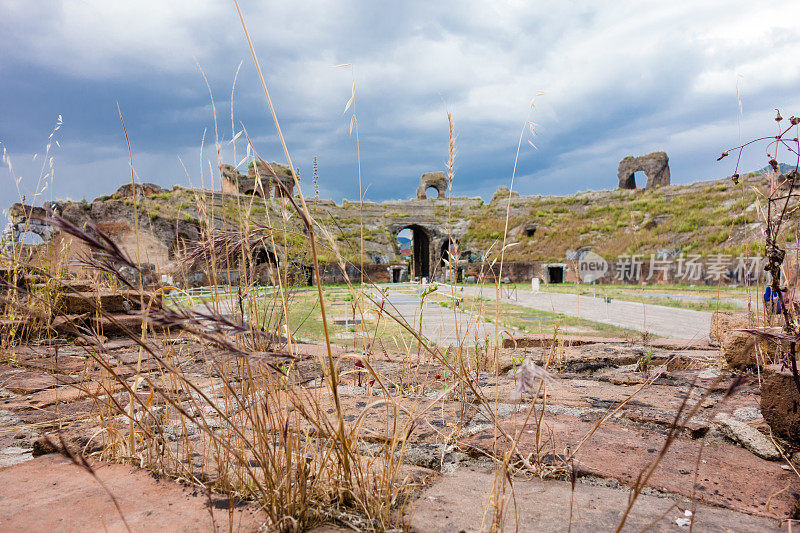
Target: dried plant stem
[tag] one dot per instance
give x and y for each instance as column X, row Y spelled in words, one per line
column 132, row 436
column 333, row 380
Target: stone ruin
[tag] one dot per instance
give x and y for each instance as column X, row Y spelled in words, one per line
column 655, row 166
column 260, row 180
column 733, row 429
column 26, row 219
column 432, row 180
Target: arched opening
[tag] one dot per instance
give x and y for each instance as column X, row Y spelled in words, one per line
column 262, row 256
column 530, row 229
column 30, row 238
column 413, row 243
column 448, row 252
column 635, row 179
column 432, row 193
column 639, row 179
column 308, row 275
column 404, row 243
column 555, row 272
column 265, row 266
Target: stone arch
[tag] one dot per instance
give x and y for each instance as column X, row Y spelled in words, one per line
column 422, row 250
column 24, row 220
column 254, row 192
column 435, row 180
column 655, row 166
column 262, row 256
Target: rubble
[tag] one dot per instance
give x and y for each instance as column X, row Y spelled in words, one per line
column 749, row 437
column 744, row 350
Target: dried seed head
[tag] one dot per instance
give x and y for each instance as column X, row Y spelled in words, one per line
column 528, row 375
column 778, row 118
column 724, row 154
column 735, row 179
column 774, row 164
column 794, row 120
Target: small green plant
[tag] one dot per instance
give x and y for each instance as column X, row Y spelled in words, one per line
column 645, row 361
column 515, row 362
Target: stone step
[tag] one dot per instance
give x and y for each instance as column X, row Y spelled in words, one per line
column 80, row 285
column 122, row 301
column 109, row 326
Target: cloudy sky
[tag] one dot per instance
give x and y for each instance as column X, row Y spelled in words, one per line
column 618, row 78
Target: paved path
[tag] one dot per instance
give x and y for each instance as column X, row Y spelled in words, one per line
column 657, row 319
column 438, row 323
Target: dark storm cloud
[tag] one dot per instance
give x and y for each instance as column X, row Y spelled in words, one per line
column 619, row 78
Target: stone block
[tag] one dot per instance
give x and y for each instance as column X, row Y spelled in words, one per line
column 110, row 302
column 780, row 402
column 743, row 350
column 722, row 322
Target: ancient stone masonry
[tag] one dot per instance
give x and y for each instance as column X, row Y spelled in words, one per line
column 432, row 180
column 157, row 241
column 449, row 235
column 26, row 219
column 655, row 166
column 260, row 181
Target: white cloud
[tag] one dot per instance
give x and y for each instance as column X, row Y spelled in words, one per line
column 620, row 77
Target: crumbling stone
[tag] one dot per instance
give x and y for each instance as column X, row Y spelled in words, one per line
column 654, row 165
column 780, row 402
column 739, row 349
column 502, row 193
column 142, row 189
column 260, row 180
column 722, row 322
column 749, row 437
column 436, row 180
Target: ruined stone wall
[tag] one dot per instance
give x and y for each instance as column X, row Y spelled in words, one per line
column 655, row 166
column 544, row 229
column 333, row 273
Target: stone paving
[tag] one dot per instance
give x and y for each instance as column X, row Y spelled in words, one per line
column 635, row 389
